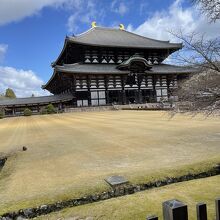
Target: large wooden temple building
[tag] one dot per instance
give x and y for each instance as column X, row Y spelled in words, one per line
column 105, row 66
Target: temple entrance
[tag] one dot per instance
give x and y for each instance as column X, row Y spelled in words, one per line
column 148, row 95
column 115, row 96
column 82, row 98
column 131, row 96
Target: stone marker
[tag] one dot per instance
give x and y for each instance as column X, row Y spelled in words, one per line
column 153, row 217
column 116, row 180
column 201, row 211
column 174, row 210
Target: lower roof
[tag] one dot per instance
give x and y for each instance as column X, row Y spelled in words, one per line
column 35, row 100
column 112, row 69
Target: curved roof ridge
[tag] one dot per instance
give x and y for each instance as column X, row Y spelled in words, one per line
column 69, row 64
column 85, row 32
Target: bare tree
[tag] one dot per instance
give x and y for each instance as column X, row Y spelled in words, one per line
column 211, row 8
column 198, row 51
column 201, row 92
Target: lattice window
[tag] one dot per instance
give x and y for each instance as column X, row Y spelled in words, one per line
column 93, row 83
column 164, row 81
column 87, row 57
column 110, row 82
column 94, row 56
column 111, row 57
column 98, row 98
column 118, row 82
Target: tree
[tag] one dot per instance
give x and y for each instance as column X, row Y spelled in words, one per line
column 9, row 93
column 27, row 112
column 198, row 51
column 50, row 109
column 201, row 92
column 211, row 8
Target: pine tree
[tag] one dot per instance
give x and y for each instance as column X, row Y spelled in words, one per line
column 9, row 93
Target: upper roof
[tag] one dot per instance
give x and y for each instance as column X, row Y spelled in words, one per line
column 36, row 100
column 111, row 37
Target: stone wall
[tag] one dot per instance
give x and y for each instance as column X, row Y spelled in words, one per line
column 89, row 109
column 115, row 192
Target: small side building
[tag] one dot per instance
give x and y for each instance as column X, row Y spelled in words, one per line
column 15, row 107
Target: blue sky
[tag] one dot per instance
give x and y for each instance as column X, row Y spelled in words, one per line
column 32, row 32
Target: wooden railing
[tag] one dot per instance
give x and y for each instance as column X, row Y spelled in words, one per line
column 176, row 210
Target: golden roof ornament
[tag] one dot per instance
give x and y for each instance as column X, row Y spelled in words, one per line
column 93, row 24
column 121, row 27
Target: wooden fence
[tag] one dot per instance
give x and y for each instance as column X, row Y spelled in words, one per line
column 176, row 210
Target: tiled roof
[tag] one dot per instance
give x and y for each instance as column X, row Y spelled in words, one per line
column 112, row 69
column 35, row 100
column 111, row 37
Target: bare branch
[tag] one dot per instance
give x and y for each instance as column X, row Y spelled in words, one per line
column 211, row 8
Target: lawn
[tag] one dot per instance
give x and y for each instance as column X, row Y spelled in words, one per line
column 69, row 155
column 142, row 204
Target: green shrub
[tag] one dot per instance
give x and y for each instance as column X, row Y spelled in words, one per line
column 27, row 112
column 2, row 113
column 50, row 109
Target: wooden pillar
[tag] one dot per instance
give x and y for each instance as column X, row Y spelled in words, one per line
column 60, row 106
column 154, row 79
column 136, row 95
column 106, row 90
column 13, row 111
column 140, row 79
column 73, row 90
column 175, row 210
column 201, row 211
column 88, row 82
column 123, row 94
column 217, row 208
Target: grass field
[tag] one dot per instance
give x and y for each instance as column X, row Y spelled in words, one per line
column 69, row 155
column 139, row 205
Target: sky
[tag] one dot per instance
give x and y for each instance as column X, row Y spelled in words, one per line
column 32, row 32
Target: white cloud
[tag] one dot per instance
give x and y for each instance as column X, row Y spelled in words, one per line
column 3, row 50
column 84, row 12
column 16, row 10
column 176, row 18
column 71, row 23
column 119, row 7
column 23, row 82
